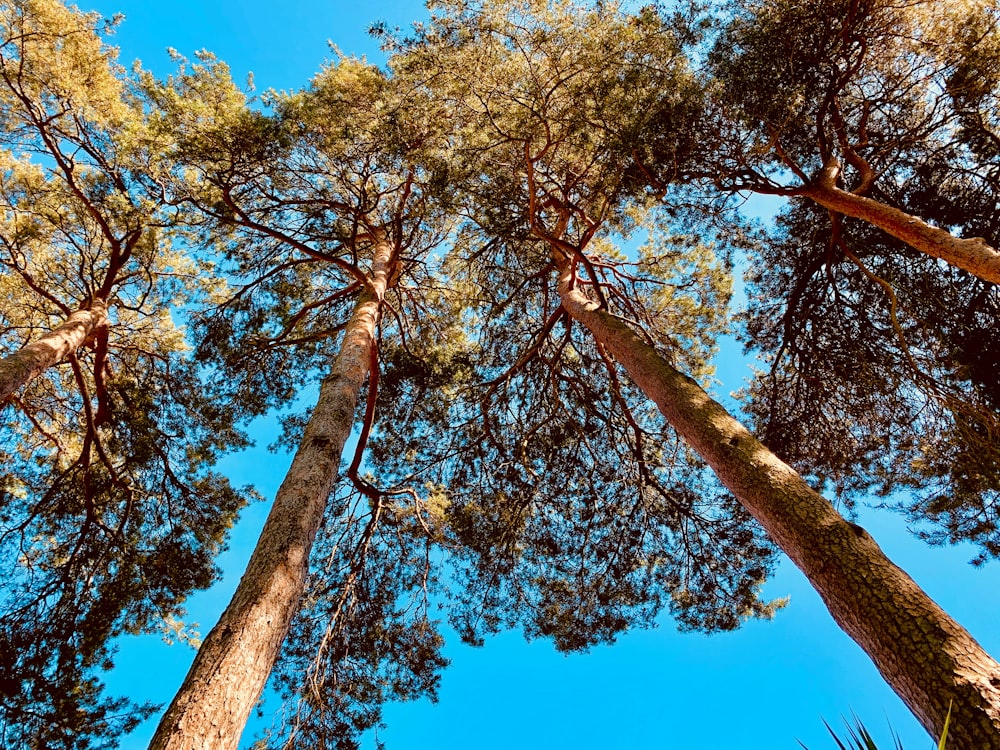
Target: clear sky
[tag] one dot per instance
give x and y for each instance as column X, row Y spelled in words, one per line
column 762, row 687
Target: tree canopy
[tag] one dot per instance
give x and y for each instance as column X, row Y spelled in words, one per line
column 506, row 260
column 110, row 515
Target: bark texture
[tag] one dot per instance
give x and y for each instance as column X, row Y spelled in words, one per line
column 974, row 255
column 927, row 657
column 228, row 675
column 28, row 363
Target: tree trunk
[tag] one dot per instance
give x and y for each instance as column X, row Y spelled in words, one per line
column 51, row 349
column 927, row 657
column 228, row 675
column 973, row 255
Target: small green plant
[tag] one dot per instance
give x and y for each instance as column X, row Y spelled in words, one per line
column 859, row 738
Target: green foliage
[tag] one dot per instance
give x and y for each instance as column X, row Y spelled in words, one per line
column 298, row 198
column 331, row 174
column 571, row 512
column 859, row 738
column 109, row 515
column 878, row 369
column 364, row 635
column 860, row 81
column 517, row 474
column 876, row 357
column 101, row 548
column 971, row 50
column 584, row 86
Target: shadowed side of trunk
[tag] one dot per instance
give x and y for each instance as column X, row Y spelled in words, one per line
column 927, row 657
column 54, row 347
column 232, row 665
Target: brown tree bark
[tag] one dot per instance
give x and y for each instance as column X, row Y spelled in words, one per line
column 54, row 347
column 232, row 665
column 974, row 255
column 927, row 657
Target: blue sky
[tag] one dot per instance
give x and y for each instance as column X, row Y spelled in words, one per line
column 763, row 687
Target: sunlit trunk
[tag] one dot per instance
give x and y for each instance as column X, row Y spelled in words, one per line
column 927, row 657
column 974, row 255
column 54, row 347
column 232, row 665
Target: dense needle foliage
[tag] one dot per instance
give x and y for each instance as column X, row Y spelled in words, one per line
column 507, row 470
column 109, row 517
